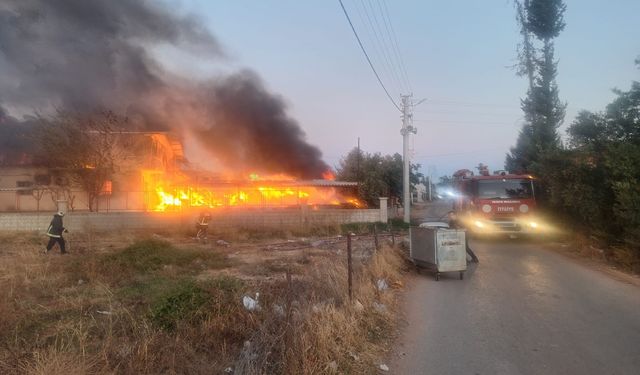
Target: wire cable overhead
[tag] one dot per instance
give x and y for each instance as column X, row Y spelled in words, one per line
column 364, row 51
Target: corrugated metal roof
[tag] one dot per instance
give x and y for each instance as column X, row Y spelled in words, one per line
column 324, row 183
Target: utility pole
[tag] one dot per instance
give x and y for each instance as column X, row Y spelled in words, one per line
column 358, row 165
column 407, row 129
column 431, row 170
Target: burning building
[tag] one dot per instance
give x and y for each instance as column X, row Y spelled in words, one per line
column 97, row 55
column 154, row 175
column 187, row 186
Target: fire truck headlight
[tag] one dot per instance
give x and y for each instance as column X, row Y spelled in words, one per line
column 479, row 224
column 524, row 208
column 486, row 208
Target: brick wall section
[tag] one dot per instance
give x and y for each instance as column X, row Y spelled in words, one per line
column 277, row 218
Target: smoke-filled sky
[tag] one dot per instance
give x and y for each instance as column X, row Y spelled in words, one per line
column 269, row 82
column 86, row 55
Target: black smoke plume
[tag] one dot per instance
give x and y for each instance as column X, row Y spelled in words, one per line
column 84, row 55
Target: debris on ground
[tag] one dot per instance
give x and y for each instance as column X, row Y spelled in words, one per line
column 223, row 243
column 251, row 304
column 103, row 312
column 333, row 366
column 228, row 370
column 317, row 308
column 384, row 367
column 382, row 284
column 379, row 307
column 354, row 356
column 278, row 310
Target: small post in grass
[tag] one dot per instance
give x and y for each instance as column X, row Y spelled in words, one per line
column 349, row 267
column 375, row 237
column 289, row 291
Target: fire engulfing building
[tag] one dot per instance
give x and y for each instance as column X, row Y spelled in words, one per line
column 151, row 173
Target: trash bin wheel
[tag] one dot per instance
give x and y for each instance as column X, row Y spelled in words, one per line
column 461, row 275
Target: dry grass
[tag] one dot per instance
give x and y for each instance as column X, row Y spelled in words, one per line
column 624, row 256
column 320, row 325
column 149, row 306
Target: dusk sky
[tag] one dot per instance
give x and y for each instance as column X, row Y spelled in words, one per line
column 457, row 55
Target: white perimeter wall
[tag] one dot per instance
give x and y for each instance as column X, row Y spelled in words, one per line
column 277, row 218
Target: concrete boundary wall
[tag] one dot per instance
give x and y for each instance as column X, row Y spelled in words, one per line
column 258, row 219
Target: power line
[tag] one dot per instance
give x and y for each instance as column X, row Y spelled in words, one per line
column 459, row 111
column 367, row 56
column 369, row 33
column 377, row 30
column 424, row 157
column 395, row 43
column 472, row 122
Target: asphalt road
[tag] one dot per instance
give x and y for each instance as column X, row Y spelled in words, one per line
column 522, row 310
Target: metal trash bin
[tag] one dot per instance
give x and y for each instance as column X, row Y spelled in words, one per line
column 435, row 246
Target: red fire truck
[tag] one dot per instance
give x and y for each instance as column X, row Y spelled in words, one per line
column 498, row 203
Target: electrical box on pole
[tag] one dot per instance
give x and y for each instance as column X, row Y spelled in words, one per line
column 407, row 129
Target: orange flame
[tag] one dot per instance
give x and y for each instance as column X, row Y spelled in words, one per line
column 328, row 175
column 274, row 192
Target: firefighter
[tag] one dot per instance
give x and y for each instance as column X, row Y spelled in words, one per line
column 203, row 225
column 455, row 223
column 55, row 230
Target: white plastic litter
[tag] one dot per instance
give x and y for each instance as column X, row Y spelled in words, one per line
column 251, row 304
column 333, row 366
column 228, row 370
column 379, row 307
column 382, row 284
column 384, row 367
column 104, row 312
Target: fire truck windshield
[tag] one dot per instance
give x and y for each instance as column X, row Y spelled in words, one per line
column 505, row 189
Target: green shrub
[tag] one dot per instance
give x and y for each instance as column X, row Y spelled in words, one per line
column 183, row 302
column 364, row 228
column 226, row 284
column 397, row 223
column 151, row 254
column 145, row 289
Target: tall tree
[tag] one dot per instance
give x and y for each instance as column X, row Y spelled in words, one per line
column 83, row 149
column 379, row 175
column 541, row 21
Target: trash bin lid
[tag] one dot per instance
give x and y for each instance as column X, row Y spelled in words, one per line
column 434, row 224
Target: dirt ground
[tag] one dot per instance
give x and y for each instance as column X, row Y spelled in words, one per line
column 114, row 302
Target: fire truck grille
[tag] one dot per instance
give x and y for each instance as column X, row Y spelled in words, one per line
column 506, row 224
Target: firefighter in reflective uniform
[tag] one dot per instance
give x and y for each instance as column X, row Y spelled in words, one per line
column 55, row 230
column 203, row 225
column 454, row 223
